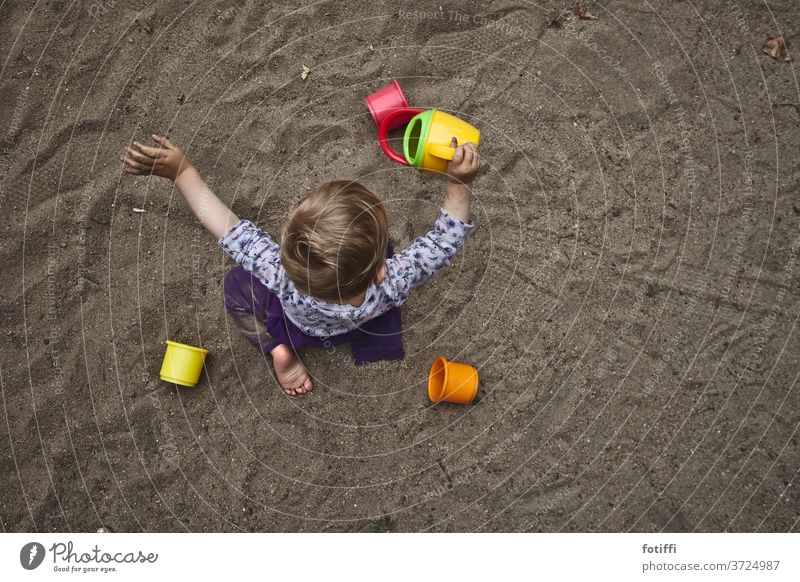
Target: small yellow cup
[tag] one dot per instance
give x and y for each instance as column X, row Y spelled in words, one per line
column 452, row 382
column 182, row 364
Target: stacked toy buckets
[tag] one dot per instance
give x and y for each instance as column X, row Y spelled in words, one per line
column 428, row 133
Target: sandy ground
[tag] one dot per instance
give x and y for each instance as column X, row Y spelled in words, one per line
column 630, row 294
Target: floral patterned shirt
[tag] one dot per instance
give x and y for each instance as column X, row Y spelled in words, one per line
column 255, row 250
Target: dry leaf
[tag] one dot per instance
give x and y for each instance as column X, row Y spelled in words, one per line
column 776, row 48
column 584, row 14
column 306, row 72
column 372, row 48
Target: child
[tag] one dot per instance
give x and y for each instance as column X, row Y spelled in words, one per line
column 331, row 275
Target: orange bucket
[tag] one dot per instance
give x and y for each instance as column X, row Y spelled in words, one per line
column 452, row 382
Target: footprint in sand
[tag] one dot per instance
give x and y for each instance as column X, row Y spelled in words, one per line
column 508, row 36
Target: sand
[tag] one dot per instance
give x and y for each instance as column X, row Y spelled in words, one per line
column 630, row 294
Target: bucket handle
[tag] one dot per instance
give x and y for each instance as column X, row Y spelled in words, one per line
column 440, row 151
column 383, row 134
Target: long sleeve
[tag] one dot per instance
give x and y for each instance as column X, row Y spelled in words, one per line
column 255, row 250
column 426, row 256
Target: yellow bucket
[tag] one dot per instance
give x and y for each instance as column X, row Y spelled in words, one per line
column 182, row 364
column 426, row 142
column 432, row 152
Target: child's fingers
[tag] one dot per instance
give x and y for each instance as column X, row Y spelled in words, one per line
column 147, row 150
column 138, row 156
column 134, row 171
column 468, row 154
column 136, row 165
column 128, row 161
column 163, row 141
column 474, row 155
column 476, row 158
column 458, row 156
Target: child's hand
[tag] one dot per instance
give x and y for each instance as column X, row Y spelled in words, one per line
column 167, row 161
column 466, row 163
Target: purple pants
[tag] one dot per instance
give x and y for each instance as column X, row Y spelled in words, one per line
column 258, row 313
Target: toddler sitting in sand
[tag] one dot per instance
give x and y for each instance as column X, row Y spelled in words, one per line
column 331, row 276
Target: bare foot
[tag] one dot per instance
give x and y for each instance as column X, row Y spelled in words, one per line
column 293, row 377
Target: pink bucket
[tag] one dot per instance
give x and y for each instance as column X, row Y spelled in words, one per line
column 382, row 103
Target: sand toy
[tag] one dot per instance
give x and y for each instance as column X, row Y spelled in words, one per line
column 182, row 364
column 426, row 143
column 452, row 382
column 385, row 101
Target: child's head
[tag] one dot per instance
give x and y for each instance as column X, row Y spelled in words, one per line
column 334, row 243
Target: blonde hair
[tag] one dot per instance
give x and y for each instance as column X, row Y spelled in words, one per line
column 335, row 241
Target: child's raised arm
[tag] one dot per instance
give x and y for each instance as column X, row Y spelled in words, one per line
column 169, row 161
column 460, row 173
column 431, row 253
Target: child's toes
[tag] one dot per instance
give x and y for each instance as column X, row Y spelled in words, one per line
column 308, row 385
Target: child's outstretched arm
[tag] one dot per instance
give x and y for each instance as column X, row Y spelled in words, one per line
column 169, row 161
